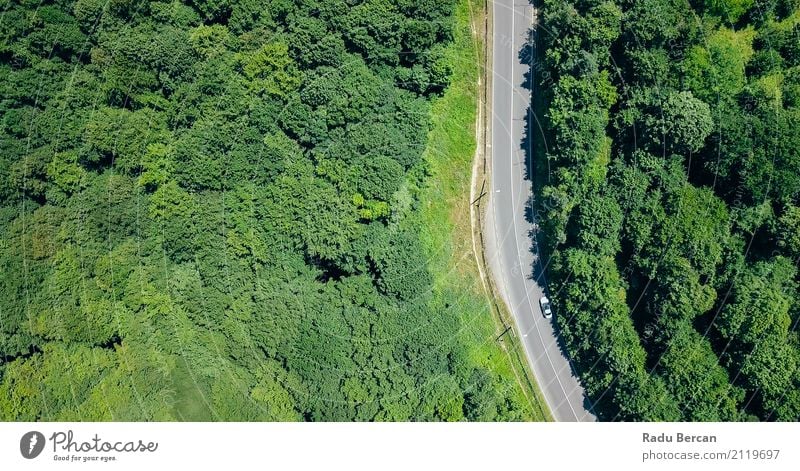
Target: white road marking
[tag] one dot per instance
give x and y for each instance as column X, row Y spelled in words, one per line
column 566, row 396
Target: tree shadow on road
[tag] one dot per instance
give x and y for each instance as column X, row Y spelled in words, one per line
column 537, row 173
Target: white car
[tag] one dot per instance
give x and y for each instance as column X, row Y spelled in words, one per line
column 544, row 303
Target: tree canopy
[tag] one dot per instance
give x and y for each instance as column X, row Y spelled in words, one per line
column 670, row 210
column 206, row 213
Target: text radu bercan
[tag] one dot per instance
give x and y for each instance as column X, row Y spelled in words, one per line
column 677, row 438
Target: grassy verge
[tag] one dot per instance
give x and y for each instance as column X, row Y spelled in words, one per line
column 445, row 219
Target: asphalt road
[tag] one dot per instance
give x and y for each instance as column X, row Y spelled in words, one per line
column 507, row 232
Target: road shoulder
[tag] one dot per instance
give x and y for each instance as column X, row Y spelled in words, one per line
column 482, row 227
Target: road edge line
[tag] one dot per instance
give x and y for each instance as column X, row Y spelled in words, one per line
column 481, row 172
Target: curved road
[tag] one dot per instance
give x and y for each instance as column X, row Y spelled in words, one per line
column 507, row 232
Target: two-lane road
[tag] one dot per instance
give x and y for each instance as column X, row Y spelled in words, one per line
column 507, row 232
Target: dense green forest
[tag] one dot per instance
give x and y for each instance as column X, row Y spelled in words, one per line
column 672, row 205
column 207, row 212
